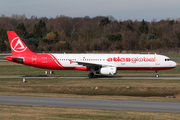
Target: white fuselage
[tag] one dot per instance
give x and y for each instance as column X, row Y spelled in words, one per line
column 120, row 61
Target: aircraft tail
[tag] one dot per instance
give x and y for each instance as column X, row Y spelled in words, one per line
column 17, row 45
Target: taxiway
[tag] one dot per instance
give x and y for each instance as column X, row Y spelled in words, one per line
column 155, row 106
column 96, row 77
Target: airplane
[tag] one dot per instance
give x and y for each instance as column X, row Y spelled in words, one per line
column 104, row 64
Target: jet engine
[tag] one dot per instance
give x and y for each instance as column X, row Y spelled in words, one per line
column 107, row 71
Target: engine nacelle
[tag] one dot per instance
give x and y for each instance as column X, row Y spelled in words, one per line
column 107, row 71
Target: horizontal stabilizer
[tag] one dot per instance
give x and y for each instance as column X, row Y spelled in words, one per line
column 20, row 59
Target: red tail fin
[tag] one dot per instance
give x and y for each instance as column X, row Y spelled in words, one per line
column 17, row 45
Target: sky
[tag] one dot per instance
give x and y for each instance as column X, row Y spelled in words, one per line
column 119, row 9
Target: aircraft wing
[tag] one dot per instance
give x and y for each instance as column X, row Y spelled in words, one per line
column 90, row 64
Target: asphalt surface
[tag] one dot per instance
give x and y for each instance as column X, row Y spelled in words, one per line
column 2, row 60
column 96, row 77
column 93, row 104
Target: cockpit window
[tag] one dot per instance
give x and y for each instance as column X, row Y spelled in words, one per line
column 167, row 59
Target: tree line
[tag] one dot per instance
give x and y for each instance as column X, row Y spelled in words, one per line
column 89, row 34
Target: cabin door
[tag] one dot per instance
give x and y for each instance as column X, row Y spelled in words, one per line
column 34, row 59
column 157, row 60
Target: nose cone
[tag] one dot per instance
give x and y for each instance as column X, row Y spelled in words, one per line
column 174, row 64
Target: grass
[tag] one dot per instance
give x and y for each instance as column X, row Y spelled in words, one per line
column 9, row 112
column 93, row 88
column 79, row 87
column 9, row 68
column 173, row 56
column 2, row 56
column 88, row 87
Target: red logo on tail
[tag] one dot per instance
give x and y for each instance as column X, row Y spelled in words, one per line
column 17, row 45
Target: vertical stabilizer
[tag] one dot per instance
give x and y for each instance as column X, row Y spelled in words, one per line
column 17, row 45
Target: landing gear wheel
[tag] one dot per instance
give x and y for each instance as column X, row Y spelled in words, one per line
column 157, row 75
column 91, row 75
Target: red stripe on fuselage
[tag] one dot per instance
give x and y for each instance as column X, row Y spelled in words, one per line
column 48, row 61
column 55, row 60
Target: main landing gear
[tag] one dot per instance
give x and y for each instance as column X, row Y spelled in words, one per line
column 156, row 74
column 91, row 74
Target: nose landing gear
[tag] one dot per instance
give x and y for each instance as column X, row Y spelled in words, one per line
column 156, row 74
